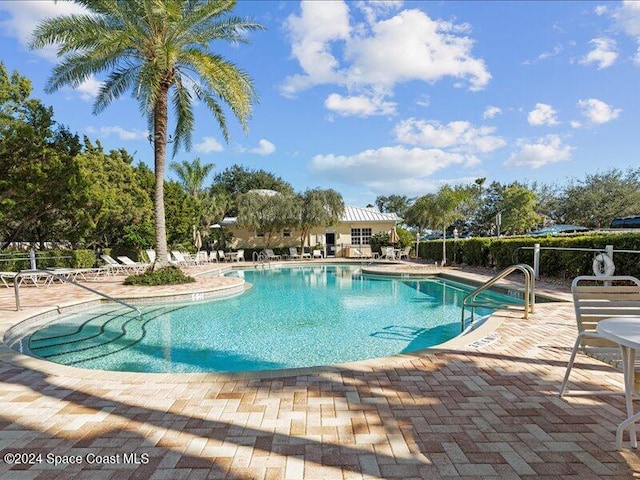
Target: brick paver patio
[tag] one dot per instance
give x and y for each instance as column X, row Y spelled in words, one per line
column 481, row 407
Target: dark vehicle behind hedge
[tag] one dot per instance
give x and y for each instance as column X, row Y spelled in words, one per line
column 626, row 222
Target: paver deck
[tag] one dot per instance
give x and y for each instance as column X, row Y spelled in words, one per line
column 482, row 407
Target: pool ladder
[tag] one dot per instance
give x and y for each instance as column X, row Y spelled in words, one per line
column 469, row 300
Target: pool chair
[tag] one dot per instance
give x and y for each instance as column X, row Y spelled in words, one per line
column 293, row 253
column 386, row 253
column 240, row 256
column 136, row 267
column 181, row 259
column 222, row 256
column 116, row 268
column 404, row 253
column 305, row 254
column 596, row 298
column 270, row 255
column 317, row 254
column 7, row 277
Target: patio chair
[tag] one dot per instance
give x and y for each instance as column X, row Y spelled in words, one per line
column 305, row 254
column 181, row 259
column 386, row 253
column 596, row 298
column 270, row 255
column 221, row 256
column 137, row 267
column 404, row 253
column 365, row 251
column 240, row 256
column 317, row 254
column 4, row 276
column 116, row 267
column 293, row 253
column 151, row 255
column 213, row 256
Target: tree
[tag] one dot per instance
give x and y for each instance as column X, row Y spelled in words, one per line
column 518, row 208
column 237, row 180
column 393, row 204
column 318, row 208
column 599, row 198
column 422, row 213
column 157, row 49
column 192, row 175
column 267, row 213
column 447, row 207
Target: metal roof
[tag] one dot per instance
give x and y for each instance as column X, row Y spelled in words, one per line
column 357, row 214
column 350, row 215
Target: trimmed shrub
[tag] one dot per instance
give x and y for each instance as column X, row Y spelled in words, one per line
column 488, row 252
column 164, row 276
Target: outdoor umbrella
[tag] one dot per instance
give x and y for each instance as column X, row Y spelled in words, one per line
column 393, row 236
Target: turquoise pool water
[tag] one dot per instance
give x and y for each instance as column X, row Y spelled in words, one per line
column 299, row 316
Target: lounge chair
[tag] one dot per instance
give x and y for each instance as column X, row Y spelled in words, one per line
column 181, row 259
column 240, row 256
column 270, row 255
column 317, row 254
column 116, row 267
column 304, row 254
column 596, row 298
column 293, row 253
column 137, row 267
column 151, row 255
column 10, row 276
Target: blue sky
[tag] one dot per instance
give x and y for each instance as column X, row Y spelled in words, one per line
column 391, row 97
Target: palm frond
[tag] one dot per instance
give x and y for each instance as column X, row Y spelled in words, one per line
column 182, row 105
column 117, row 83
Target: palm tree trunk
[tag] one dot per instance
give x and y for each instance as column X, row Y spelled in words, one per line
column 159, row 151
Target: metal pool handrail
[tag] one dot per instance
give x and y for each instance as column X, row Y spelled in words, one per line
column 21, row 273
column 529, row 290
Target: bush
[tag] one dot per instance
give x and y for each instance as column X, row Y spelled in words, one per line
column 164, row 276
column 501, row 253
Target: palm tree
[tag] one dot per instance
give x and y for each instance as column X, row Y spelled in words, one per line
column 159, row 49
column 192, row 175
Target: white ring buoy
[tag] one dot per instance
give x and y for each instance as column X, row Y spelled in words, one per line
column 603, row 265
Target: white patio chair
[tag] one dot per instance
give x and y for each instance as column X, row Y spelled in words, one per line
column 116, row 267
column 596, row 298
column 317, row 254
column 137, row 267
column 270, row 255
column 293, row 253
column 404, row 253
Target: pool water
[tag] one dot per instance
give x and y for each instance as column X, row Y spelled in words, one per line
column 299, row 316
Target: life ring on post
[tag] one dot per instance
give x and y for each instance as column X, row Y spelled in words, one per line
column 603, row 265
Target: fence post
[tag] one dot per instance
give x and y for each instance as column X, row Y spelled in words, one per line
column 609, row 251
column 32, row 258
column 536, row 261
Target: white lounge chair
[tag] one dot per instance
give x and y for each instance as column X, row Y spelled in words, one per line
column 270, row 255
column 151, row 255
column 293, row 253
column 181, row 259
column 116, row 267
column 7, row 277
column 317, row 253
column 596, row 298
column 222, row 256
column 137, row 267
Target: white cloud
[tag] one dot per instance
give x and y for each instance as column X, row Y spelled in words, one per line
column 120, row 132
column 597, row 111
column 208, row 145
column 89, row 89
column 407, row 170
column 542, row 114
column 359, row 105
column 319, row 24
column 600, row 10
column 545, row 151
column 604, row 53
column 25, row 16
column 264, row 148
column 412, row 46
column 369, row 60
column 372, row 10
column 491, row 112
column 458, row 136
column 627, row 16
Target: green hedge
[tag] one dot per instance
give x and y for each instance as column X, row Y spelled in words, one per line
column 501, row 253
column 11, row 260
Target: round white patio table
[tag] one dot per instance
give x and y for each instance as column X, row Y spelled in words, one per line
column 625, row 331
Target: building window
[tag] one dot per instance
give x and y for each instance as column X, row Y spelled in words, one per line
column 286, row 234
column 360, row 236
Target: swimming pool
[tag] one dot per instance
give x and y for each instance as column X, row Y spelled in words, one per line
column 299, row 316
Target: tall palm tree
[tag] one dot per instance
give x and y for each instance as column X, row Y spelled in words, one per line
column 158, row 49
